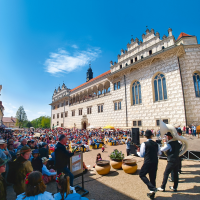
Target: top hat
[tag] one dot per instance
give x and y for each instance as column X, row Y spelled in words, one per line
column 148, row 133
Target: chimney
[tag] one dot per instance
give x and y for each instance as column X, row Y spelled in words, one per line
column 170, row 32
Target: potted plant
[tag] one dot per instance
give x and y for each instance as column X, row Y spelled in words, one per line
column 116, row 159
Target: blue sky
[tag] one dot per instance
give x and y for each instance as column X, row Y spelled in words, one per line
column 43, row 43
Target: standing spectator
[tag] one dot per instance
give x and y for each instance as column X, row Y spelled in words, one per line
column 128, row 146
column 35, row 188
column 187, row 130
column 36, row 161
column 44, row 151
column 23, row 167
column 62, row 157
column 194, row 130
column 23, row 143
column 2, row 181
column 3, row 154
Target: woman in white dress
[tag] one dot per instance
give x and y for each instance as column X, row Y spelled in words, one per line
column 65, row 190
column 35, row 188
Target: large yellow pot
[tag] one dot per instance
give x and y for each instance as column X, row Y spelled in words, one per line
column 103, row 167
column 129, row 166
column 116, row 164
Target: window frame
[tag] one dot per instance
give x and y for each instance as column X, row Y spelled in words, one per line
column 157, row 89
column 197, row 88
column 80, row 111
column 137, row 123
column 57, row 115
column 137, row 100
column 53, row 116
column 158, row 121
column 100, row 108
column 61, row 115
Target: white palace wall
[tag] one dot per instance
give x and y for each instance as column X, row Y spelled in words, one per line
column 148, row 112
column 190, row 63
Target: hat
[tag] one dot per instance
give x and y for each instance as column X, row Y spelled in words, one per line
column 148, row 133
column 2, row 142
column 179, row 131
column 168, row 134
column 35, row 151
column 3, row 162
column 44, row 159
column 25, row 149
column 43, row 144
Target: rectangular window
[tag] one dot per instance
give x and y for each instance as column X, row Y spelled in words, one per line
column 135, row 59
column 58, row 106
column 131, row 60
column 101, row 108
column 141, row 57
column 62, row 104
column 89, row 110
column 57, row 123
column 80, row 111
column 57, row 115
column 134, row 123
column 118, row 85
column 139, row 123
column 157, row 122
column 163, row 47
column 115, row 106
column 61, row 125
column 53, row 116
column 120, row 66
column 150, row 52
column 61, row 115
column 115, row 86
column 66, row 113
column 165, row 121
column 119, row 105
column 73, row 113
column 54, row 107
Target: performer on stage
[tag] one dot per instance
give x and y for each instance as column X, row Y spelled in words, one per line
column 150, row 151
column 172, row 148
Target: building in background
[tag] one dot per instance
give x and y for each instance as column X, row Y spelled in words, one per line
column 10, row 122
column 153, row 79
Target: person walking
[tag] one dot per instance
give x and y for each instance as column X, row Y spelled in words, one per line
column 172, row 148
column 149, row 150
column 62, row 157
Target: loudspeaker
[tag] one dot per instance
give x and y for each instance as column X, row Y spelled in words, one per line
column 135, row 135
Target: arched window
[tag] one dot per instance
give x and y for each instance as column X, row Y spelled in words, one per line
column 196, row 84
column 160, row 89
column 136, row 93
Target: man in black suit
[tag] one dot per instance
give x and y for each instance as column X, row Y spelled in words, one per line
column 44, row 151
column 62, row 157
column 150, row 151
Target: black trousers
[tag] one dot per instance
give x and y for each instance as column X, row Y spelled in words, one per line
column 171, row 166
column 151, row 169
column 128, row 151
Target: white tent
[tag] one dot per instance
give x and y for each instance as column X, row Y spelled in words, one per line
column 90, row 127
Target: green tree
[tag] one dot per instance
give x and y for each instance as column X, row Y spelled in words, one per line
column 27, row 124
column 21, row 116
column 41, row 122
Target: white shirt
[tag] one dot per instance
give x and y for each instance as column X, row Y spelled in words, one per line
column 142, row 150
column 44, row 196
column 166, row 147
column 47, row 172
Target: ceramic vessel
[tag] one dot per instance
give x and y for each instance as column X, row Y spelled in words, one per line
column 103, row 167
column 116, row 164
column 129, row 166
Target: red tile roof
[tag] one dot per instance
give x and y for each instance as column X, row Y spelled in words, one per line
column 183, row 35
column 9, row 119
column 105, row 73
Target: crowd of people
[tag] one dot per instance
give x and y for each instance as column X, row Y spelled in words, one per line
column 31, row 158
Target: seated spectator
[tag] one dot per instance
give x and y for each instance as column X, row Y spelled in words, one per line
column 65, row 189
column 36, row 161
column 49, row 175
column 35, row 188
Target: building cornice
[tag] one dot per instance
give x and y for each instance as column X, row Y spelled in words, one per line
column 170, row 51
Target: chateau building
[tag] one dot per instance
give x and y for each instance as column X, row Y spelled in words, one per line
column 153, row 79
column 10, row 122
column 1, row 109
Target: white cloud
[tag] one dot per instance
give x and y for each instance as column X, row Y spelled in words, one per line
column 74, row 46
column 41, row 113
column 63, row 62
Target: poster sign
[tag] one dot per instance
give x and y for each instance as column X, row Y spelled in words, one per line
column 76, row 163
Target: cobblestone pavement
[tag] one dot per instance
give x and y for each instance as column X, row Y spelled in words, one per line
column 120, row 186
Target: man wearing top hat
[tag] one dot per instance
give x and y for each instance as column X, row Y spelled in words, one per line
column 149, row 150
column 172, row 149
